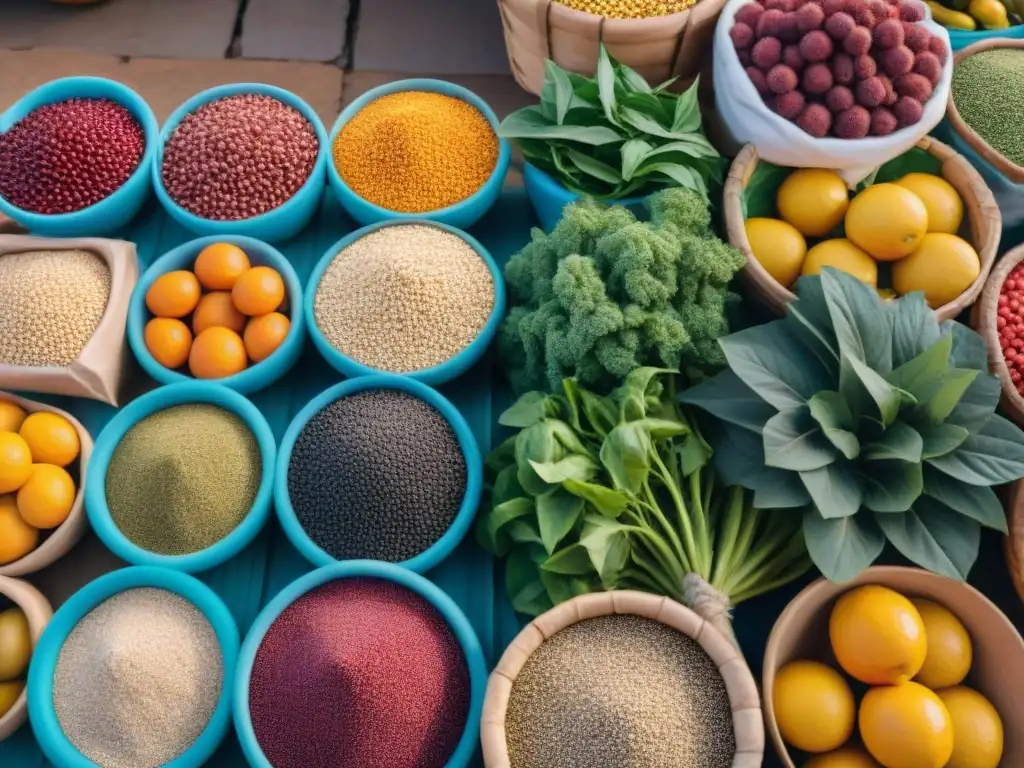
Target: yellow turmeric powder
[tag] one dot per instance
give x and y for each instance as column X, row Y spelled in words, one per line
column 416, row 152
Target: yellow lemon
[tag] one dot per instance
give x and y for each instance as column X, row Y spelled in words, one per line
column 844, row 255
column 813, row 200
column 15, row 643
column 847, row 757
column 9, row 693
column 15, row 462
column 949, row 655
column 943, row 266
column 814, row 706
column 977, row 729
column 906, row 726
column 940, row 198
column 877, row 635
column 11, row 416
column 779, row 248
column 887, row 221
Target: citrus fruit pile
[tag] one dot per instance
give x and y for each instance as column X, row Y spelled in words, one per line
column 234, row 309
column 913, row 656
column 36, row 489
column 15, row 653
column 908, row 226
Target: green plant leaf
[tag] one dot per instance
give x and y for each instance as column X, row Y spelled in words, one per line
column 530, row 123
column 857, row 379
column 646, row 104
column 599, row 413
column 562, row 588
column 661, row 429
column 506, row 486
column 808, row 317
column 976, row 502
column 969, row 349
column 646, row 124
column 977, row 405
column 914, row 327
column 834, row 489
column 794, row 441
column 522, row 580
column 502, row 455
column 606, row 84
column 595, row 168
column 493, row 523
column 695, row 145
column 728, row 399
column 739, row 458
column 900, row 442
column 626, row 454
column 536, row 443
column 575, row 467
column 566, row 436
column 891, row 486
column 922, row 375
column 632, row 79
column 687, row 114
column 785, row 491
column 687, row 178
column 524, row 531
column 833, row 415
column 608, row 501
column 573, row 560
column 758, row 197
column 993, row 456
column 562, row 86
column 842, row 547
column 940, row 405
column 861, row 324
column 557, row 513
column 607, row 543
column 914, row 160
column 934, row 537
column 526, row 411
column 633, row 153
column 940, row 439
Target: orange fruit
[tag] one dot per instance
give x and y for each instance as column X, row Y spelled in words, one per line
column 950, row 651
column 219, row 266
column 215, row 309
column 847, row 757
column 906, row 726
column 11, row 416
column 168, row 341
column 17, row 538
column 945, row 208
column 51, row 438
column 217, row 352
column 15, row 461
column 174, row 294
column 814, row 706
column 843, row 255
column 264, row 334
column 813, row 200
column 886, row 220
column 258, row 292
column 45, row 500
column 778, row 246
column 977, row 729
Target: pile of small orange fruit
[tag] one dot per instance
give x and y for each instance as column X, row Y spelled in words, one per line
column 234, row 314
column 913, row 657
column 37, row 491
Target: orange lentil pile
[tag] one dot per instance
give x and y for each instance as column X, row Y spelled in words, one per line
column 415, row 152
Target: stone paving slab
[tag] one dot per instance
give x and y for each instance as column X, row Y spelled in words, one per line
column 294, row 30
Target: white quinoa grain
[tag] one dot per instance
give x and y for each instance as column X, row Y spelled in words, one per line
column 404, row 298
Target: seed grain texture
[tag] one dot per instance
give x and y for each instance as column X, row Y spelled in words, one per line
column 415, row 152
column 183, row 478
column 138, row 679
column 404, row 298
column 988, row 91
column 50, row 305
column 619, row 692
column 629, row 9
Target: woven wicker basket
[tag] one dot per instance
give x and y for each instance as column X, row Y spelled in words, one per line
column 748, row 725
column 982, row 214
column 1009, row 169
column 38, row 612
column 658, row 48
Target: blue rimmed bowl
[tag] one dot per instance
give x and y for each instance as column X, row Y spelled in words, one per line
column 961, row 38
column 117, row 209
column 548, row 197
column 150, row 403
column 258, row 375
column 280, row 223
column 463, row 214
column 435, row 375
column 440, row 549
column 450, row 612
column 55, row 745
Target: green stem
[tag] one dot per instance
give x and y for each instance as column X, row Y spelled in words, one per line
column 659, row 550
column 793, row 571
column 776, row 535
column 699, row 515
column 750, row 519
column 775, row 561
column 728, row 534
column 690, row 549
column 650, row 585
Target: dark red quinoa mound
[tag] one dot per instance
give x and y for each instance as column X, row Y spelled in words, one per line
column 63, row 157
column 238, row 157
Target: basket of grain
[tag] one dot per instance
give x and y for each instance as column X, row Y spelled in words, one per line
column 1014, row 548
column 63, row 307
column 621, row 678
column 565, row 31
column 750, row 192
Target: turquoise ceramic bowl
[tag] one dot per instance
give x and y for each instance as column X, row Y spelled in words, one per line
column 548, row 198
column 280, row 223
column 463, row 214
column 257, row 376
column 158, row 400
column 55, row 745
column 438, row 374
column 441, row 548
column 114, row 211
column 454, row 617
column 961, row 38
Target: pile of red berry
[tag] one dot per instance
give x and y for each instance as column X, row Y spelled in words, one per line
column 1010, row 325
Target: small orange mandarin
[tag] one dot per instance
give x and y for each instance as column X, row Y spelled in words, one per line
column 258, row 292
column 174, row 294
column 216, row 308
column 168, row 341
column 17, row 538
column 217, row 352
column 219, row 266
column 51, row 438
column 45, row 501
column 264, row 334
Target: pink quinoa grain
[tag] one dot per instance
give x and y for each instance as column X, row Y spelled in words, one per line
column 766, row 53
column 64, row 157
column 809, row 17
column 790, row 105
column 816, row 46
column 238, row 157
column 758, row 80
column 815, row 120
column 839, row 98
column 927, row 64
column 888, row 34
column 839, row 25
column 817, row 79
column 742, row 36
column 864, row 67
column 854, row 123
column 842, row 68
column 359, row 673
column 858, row 42
column 749, row 14
column 883, row 121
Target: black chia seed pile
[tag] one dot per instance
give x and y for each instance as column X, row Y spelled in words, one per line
column 376, row 475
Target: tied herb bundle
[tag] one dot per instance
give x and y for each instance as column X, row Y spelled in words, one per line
column 598, row 493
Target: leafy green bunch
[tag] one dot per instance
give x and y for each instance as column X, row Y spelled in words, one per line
column 869, row 420
column 604, row 294
column 616, row 492
column 613, row 135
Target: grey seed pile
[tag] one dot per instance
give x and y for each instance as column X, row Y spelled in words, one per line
column 138, row 679
column 50, row 305
column 183, row 479
column 404, row 298
column 619, row 692
column 238, row 157
column 376, row 475
column 988, row 91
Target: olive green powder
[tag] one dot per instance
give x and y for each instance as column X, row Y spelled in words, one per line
column 184, row 478
column 619, row 692
column 988, row 91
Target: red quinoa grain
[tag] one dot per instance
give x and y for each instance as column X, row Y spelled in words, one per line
column 238, row 157
column 359, row 673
